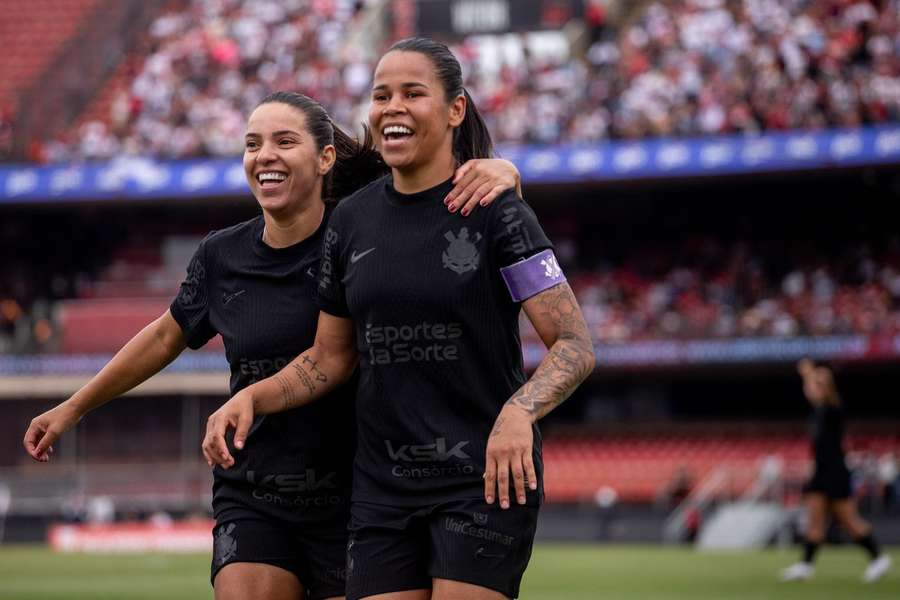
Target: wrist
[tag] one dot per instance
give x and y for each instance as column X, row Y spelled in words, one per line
column 514, row 409
column 76, row 406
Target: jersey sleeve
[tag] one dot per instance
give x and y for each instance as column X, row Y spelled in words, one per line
column 331, row 295
column 191, row 306
column 521, row 250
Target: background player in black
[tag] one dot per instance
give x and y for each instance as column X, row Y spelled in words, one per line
column 282, row 509
column 429, row 305
column 828, row 490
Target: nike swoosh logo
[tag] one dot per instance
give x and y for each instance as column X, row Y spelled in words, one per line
column 355, row 257
column 480, row 553
column 226, row 298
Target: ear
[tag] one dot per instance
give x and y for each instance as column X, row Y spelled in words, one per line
column 327, row 157
column 457, row 110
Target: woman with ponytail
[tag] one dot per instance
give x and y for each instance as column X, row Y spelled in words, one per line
column 282, row 507
column 428, row 304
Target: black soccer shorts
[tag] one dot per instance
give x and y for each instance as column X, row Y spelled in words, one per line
column 392, row 549
column 316, row 556
column 834, row 483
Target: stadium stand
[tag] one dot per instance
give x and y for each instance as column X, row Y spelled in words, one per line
column 675, row 69
column 639, row 468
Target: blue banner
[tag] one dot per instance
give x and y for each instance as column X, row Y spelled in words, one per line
column 137, row 177
column 650, row 354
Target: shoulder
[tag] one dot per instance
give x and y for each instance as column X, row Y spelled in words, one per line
column 507, row 205
column 220, row 238
column 360, row 199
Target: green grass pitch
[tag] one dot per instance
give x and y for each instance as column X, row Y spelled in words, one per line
column 557, row 572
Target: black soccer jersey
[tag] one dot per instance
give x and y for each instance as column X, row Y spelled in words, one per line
column 437, row 333
column 296, row 465
column 827, row 437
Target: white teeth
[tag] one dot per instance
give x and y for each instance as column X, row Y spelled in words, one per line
column 271, row 176
column 397, row 130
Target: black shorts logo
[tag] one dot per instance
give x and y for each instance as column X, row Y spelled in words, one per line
column 225, row 546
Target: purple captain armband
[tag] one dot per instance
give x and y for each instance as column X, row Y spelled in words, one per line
column 532, row 276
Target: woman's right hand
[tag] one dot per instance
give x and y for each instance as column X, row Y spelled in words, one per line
column 237, row 413
column 46, row 428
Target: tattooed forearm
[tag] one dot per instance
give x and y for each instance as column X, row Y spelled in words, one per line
column 288, row 396
column 305, row 378
column 314, row 369
column 570, row 359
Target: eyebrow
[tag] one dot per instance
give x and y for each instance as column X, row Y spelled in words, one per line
column 274, row 133
column 407, row 84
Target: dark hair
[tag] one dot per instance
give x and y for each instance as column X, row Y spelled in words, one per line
column 357, row 163
column 472, row 138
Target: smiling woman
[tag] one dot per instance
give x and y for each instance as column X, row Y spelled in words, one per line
column 281, row 509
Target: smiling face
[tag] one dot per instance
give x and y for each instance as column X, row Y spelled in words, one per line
column 411, row 119
column 283, row 166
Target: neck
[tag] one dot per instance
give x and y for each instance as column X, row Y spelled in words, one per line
column 425, row 176
column 282, row 231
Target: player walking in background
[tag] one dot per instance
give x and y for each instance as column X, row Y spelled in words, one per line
column 429, row 305
column 828, row 491
column 281, row 512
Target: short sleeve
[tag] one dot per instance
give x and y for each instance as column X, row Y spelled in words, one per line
column 523, row 253
column 332, row 297
column 191, row 306
column 515, row 231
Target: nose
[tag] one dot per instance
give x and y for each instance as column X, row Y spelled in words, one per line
column 395, row 105
column 266, row 154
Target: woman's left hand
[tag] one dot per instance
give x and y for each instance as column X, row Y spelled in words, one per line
column 479, row 182
column 509, row 450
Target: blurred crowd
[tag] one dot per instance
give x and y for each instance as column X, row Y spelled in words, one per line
column 698, row 288
column 703, row 288
column 208, row 65
column 675, row 67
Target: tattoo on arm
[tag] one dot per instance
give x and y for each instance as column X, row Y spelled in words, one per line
column 305, row 378
column 569, row 361
column 308, row 374
column 498, row 425
column 314, row 368
column 288, row 396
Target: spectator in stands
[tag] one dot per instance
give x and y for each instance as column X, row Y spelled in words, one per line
column 282, row 508
column 828, row 491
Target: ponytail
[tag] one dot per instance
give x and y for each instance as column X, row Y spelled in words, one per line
column 357, row 165
column 472, row 138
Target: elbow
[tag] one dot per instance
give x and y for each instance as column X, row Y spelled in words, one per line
column 348, row 362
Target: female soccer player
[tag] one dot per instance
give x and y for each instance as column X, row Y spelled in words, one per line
column 282, row 511
column 428, row 304
column 828, row 491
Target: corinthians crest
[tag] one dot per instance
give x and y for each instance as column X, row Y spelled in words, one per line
column 462, row 254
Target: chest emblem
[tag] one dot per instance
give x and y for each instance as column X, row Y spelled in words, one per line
column 461, row 255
